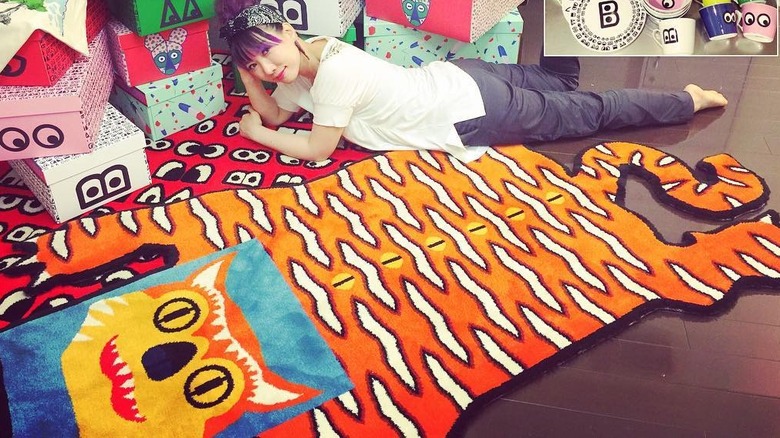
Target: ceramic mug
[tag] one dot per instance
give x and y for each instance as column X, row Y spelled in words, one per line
column 720, row 20
column 744, row 2
column 668, row 6
column 759, row 22
column 676, row 36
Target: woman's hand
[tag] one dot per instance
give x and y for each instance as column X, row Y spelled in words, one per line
column 250, row 124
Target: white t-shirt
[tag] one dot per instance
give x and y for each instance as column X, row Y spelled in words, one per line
column 383, row 106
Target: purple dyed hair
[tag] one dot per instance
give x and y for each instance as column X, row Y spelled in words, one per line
column 246, row 45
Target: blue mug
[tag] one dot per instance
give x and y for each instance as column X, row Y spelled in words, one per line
column 720, row 20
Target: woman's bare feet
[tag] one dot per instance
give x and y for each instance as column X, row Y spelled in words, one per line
column 703, row 99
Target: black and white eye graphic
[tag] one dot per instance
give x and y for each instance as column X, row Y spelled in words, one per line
column 764, row 20
column 15, row 67
column 208, row 386
column 205, row 126
column 730, row 17
column 176, row 315
column 241, row 178
column 249, row 155
column 668, row 4
column 231, row 129
column 48, row 136
column 96, row 188
column 294, row 12
column 14, row 139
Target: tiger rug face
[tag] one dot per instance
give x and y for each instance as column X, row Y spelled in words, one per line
column 179, row 348
column 435, row 282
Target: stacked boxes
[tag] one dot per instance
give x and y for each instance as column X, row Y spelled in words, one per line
column 166, row 106
column 61, row 119
column 43, row 59
column 70, row 185
column 410, row 47
column 165, row 79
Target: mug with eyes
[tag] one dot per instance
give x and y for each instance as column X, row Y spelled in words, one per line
column 720, row 20
column 759, row 22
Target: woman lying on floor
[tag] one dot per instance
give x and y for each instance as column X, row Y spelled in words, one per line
column 460, row 107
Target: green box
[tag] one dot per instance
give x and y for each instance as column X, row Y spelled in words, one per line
column 238, row 86
column 146, row 17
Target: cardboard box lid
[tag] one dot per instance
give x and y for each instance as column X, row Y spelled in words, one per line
column 129, row 39
column 511, row 23
column 168, row 88
column 63, row 96
column 118, row 137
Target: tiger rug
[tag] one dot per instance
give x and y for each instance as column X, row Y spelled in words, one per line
column 434, row 282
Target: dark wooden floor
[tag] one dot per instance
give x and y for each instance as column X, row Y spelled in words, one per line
column 670, row 375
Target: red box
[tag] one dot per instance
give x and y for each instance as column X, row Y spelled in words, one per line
column 143, row 59
column 43, row 59
column 464, row 20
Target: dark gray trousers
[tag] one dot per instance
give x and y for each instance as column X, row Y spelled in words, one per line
column 528, row 103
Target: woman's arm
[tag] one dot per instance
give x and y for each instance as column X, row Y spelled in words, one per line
column 316, row 146
column 262, row 102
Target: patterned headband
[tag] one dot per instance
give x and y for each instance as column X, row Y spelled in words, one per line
column 251, row 17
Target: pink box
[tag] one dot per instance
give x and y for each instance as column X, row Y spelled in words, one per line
column 464, row 20
column 141, row 60
column 61, row 119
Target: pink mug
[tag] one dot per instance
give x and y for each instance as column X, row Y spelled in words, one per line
column 759, row 22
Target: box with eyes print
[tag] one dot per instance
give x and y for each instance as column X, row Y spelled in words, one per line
column 69, row 185
column 140, row 60
column 163, row 107
column 61, row 119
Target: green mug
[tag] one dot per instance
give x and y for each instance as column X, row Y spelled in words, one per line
column 705, row 3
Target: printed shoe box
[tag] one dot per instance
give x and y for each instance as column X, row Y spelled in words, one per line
column 43, row 59
column 463, row 20
column 319, row 17
column 69, row 185
column 61, row 119
column 163, row 107
column 140, row 60
column 414, row 48
column 146, row 17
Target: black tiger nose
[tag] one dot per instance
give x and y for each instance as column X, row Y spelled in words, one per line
column 165, row 360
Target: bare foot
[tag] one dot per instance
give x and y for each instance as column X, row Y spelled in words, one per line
column 703, row 99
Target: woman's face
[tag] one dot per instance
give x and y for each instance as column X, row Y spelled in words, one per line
column 280, row 63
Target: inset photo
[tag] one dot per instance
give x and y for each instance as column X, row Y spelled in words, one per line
column 660, row 28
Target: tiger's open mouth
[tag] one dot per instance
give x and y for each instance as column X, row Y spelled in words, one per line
column 122, row 382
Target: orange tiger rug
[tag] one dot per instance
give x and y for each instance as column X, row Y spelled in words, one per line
column 434, row 283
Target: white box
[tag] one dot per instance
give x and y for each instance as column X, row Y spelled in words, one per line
column 319, row 17
column 69, row 185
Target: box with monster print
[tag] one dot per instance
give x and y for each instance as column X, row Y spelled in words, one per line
column 464, row 20
column 319, row 17
column 61, row 119
column 43, row 59
column 413, row 48
column 69, row 185
column 163, row 107
column 146, row 17
column 140, row 60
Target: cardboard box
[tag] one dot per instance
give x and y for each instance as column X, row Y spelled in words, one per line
column 413, row 48
column 69, row 185
column 61, row 119
column 140, row 60
column 43, row 59
column 164, row 107
column 319, row 17
column 464, row 20
column 146, row 17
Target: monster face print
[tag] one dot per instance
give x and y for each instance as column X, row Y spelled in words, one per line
column 166, row 53
column 416, row 11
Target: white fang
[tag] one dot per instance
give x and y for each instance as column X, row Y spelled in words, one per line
column 354, row 220
column 759, row 267
column 387, row 407
column 304, row 199
column 258, row 209
column 345, row 180
column 127, row 219
column 160, row 217
column 210, row 223
column 401, row 211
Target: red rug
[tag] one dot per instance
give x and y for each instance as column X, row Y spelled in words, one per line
column 434, row 283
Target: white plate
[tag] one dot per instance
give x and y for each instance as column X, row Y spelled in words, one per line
column 603, row 30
